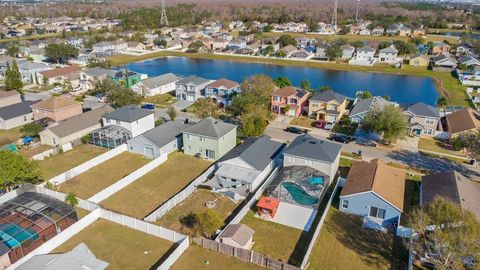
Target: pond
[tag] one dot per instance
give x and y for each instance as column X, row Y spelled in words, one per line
column 403, row 89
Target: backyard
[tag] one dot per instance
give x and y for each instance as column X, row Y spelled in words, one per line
column 177, row 219
column 120, row 246
column 9, row 135
column 103, row 175
column 196, row 258
column 65, row 161
column 160, row 101
column 29, row 152
column 153, row 189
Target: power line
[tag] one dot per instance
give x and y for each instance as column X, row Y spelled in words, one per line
column 356, row 13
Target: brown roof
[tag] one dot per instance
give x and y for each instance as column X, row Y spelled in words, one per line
column 223, row 82
column 454, row 187
column 239, row 233
column 463, row 120
column 5, row 94
column 290, row 91
column 55, row 103
column 385, row 181
column 52, row 73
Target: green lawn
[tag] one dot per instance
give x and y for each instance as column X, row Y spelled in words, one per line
column 103, row 175
column 178, row 220
column 347, row 129
column 153, row 189
column 120, row 246
column 29, row 37
column 63, row 162
column 10, row 135
column 303, row 121
column 196, row 257
column 161, row 101
column 437, row 146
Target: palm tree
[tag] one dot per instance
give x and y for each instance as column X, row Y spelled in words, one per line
column 71, row 199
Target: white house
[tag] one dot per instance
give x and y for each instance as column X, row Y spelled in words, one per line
column 375, row 192
column 156, row 85
column 109, row 45
column 347, row 51
column 388, row 55
column 365, row 56
column 191, row 87
column 131, row 118
column 16, row 115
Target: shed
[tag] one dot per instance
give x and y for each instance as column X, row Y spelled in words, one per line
column 238, row 235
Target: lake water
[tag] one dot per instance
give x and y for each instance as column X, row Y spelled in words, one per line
column 400, row 88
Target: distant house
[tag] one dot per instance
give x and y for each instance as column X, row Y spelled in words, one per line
column 327, row 105
column 388, row 55
column 301, row 54
column 161, row 140
column 443, row 62
column 76, row 42
column 290, row 101
column 16, row 115
column 243, row 169
column 110, row 45
column 469, row 76
column 237, row 235
column 135, row 46
column 365, row 54
column 378, row 31
column 468, row 61
column 465, row 48
column 58, row 75
column 423, row 119
column 190, row 88
column 73, row 128
column 56, row 108
column 347, row 51
column 127, row 78
column 463, row 121
column 156, row 85
column 9, row 98
column 419, row 60
column 222, row 91
column 362, row 107
column 321, row 52
column 375, row 192
column 440, row 48
column 453, row 187
column 30, row 70
column 89, row 76
column 134, row 119
column 289, row 50
column 418, row 32
column 209, row 139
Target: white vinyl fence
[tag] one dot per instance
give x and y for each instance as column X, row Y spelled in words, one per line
column 87, row 165
column 90, row 206
column 179, row 197
column 127, row 180
column 173, row 257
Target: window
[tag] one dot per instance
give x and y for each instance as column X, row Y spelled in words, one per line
column 210, row 154
column 377, row 212
column 25, row 119
column 118, row 122
column 202, row 139
column 108, row 120
column 308, row 162
column 277, row 98
column 429, row 121
column 345, row 204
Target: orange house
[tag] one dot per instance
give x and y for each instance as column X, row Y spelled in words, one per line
column 56, row 108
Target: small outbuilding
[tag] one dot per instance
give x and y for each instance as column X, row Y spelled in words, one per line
column 237, row 235
column 267, row 207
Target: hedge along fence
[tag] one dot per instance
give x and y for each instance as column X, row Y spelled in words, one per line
column 59, row 179
column 122, row 183
column 179, row 197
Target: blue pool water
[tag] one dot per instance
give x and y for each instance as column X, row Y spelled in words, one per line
column 403, row 89
column 299, row 195
column 13, row 235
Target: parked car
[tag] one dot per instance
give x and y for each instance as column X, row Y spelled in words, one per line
column 341, row 138
column 319, row 123
column 328, row 125
column 366, row 142
column 295, row 130
column 148, row 106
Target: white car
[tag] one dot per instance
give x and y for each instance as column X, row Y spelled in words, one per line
column 328, row 125
column 57, row 89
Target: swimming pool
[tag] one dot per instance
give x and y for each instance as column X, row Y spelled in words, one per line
column 13, row 235
column 299, row 195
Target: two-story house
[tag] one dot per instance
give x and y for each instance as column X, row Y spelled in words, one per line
column 423, row 119
column 58, row 75
column 365, row 53
column 388, row 55
column 290, row 101
column 440, row 48
column 56, row 108
column 127, row 78
column 156, row 85
column 191, row 88
column 209, row 139
column 89, row 76
column 222, row 91
column 134, row 119
column 462, row 121
column 110, row 45
column 362, row 107
column 327, row 105
column 347, row 51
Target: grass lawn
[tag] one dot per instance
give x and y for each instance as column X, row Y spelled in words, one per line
column 29, row 37
column 347, row 129
column 161, row 101
column 343, row 244
column 9, row 135
column 272, row 239
column 195, row 257
column 103, row 175
column 29, row 152
column 63, row 162
column 178, row 219
column 120, row 246
column 437, row 146
column 303, row 121
column 153, row 189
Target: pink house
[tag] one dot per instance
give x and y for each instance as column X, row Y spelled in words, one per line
column 56, row 108
column 290, row 101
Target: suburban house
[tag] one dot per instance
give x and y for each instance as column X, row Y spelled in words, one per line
column 347, row 51
column 468, row 61
column 377, row 31
column 418, row 32
column 221, row 91
column 452, row 186
column 73, row 128
column 56, row 108
column 365, row 56
column 127, row 78
column 163, row 139
column 135, row 46
column 191, row 88
column 375, row 192
column 469, row 76
column 89, row 76
column 156, row 85
column 243, row 169
column 16, row 115
column 419, row 60
column 209, row 139
column 9, row 98
column 237, row 235
column 423, row 119
column 443, row 62
column 362, row 107
column 440, row 48
column 109, row 45
column 327, row 105
column 30, row 70
column 76, row 42
column 465, row 49
column 462, row 121
column 290, row 101
column 388, row 55
column 58, row 75
column 135, row 120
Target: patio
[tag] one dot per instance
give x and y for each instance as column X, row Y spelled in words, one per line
column 294, row 216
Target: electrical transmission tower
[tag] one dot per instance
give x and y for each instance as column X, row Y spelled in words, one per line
column 163, row 18
column 356, row 13
column 334, row 18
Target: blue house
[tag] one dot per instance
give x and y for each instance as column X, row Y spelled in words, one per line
column 375, row 192
column 222, row 91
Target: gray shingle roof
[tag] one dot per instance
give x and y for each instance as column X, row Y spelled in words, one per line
column 97, row 71
column 365, row 105
column 165, row 133
column 193, row 80
column 422, row 109
column 388, row 50
column 160, row 80
column 16, row 110
column 257, row 152
column 129, row 113
column 239, row 233
column 211, row 127
column 366, row 49
column 328, row 96
column 309, row 147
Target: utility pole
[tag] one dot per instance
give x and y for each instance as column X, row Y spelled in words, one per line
column 356, row 13
column 163, row 18
column 334, row 18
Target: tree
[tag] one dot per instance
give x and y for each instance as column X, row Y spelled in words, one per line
column 195, row 46
column 454, row 236
column 204, row 107
column 71, row 199
column 305, row 84
column 207, row 223
column 282, row 81
column 160, row 42
column 117, row 94
column 384, row 44
column 253, row 120
column 286, row 40
column 255, row 90
column 470, row 141
column 172, row 113
column 442, row 102
column 281, row 54
column 366, row 94
column 404, row 48
column 31, row 129
column 344, row 30
column 13, row 78
column 357, row 43
column 333, row 52
column 267, row 28
column 13, row 50
column 138, row 37
column 158, row 122
column 60, row 53
column 16, row 170
column 390, row 121
column 95, row 62
column 269, row 50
